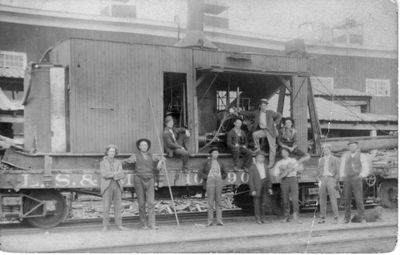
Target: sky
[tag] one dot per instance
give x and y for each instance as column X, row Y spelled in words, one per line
column 276, row 18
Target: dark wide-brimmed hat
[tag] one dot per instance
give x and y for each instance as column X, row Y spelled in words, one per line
column 213, row 149
column 143, row 140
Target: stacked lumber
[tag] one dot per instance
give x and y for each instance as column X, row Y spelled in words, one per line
column 92, row 207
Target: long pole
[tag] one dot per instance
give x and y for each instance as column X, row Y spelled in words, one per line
column 165, row 164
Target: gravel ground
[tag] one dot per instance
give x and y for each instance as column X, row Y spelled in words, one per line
column 47, row 241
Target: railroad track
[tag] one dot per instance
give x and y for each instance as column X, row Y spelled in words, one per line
column 367, row 238
column 130, row 221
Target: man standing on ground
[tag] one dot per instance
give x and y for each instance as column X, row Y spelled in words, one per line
column 147, row 166
column 354, row 166
column 328, row 176
column 286, row 171
column 259, row 182
column 213, row 174
column 175, row 141
column 237, row 143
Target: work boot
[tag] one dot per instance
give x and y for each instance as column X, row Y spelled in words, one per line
column 296, row 218
column 335, row 220
column 220, row 223
column 346, row 221
column 154, row 227
column 321, row 220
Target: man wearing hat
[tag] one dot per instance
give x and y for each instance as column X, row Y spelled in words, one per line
column 237, row 143
column 353, row 167
column 213, row 173
column 328, row 176
column 145, row 169
column 175, row 140
column 259, row 182
column 265, row 122
column 286, row 170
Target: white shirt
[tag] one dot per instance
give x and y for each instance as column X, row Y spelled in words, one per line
column 215, row 169
column 284, row 163
column 263, row 119
column 326, row 166
column 261, row 169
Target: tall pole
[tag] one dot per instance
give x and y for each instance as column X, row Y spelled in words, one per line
column 165, row 164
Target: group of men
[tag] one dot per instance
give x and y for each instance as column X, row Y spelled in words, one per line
column 352, row 168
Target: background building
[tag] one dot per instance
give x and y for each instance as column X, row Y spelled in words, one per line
column 353, row 53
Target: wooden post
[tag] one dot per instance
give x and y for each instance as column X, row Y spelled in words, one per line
column 196, row 125
column 299, row 109
column 281, row 99
column 315, row 127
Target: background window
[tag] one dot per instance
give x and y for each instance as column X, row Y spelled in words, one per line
column 378, row 87
column 12, row 59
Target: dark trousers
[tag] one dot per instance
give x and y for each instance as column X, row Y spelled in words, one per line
column 353, row 185
column 183, row 153
column 112, row 194
column 328, row 186
column 259, row 201
column 290, row 190
column 214, row 194
column 239, row 151
column 145, row 195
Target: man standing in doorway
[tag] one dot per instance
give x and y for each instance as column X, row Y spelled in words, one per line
column 266, row 121
column 354, row 166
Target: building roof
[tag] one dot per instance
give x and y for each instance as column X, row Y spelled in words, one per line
column 323, row 91
column 168, row 29
column 9, row 105
column 11, row 72
column 330, row 111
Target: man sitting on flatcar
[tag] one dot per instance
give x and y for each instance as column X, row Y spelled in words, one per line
column 288, row 139
column 237, row 143
column 175, row 142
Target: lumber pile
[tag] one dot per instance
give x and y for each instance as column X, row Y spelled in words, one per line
column 86, row 207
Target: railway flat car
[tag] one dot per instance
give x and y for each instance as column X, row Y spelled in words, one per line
column 85, row 94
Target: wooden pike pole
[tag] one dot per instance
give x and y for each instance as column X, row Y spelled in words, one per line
column 165, row 164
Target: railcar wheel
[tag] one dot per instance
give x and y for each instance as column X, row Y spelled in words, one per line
column 50, row 214
column 388, row 194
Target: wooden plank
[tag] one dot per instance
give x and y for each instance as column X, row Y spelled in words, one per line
column 57, row 110
column 299, row 109
column 196, row 125
column 315, row 127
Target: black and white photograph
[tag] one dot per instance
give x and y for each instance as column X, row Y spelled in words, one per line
column 199, row 126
